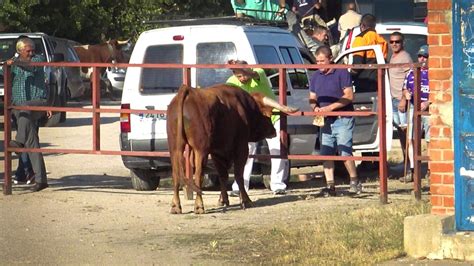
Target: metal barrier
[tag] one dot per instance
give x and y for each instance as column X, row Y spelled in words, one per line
column 96, row 110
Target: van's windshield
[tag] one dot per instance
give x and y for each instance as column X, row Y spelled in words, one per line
column 157, row 80
column 214, row 53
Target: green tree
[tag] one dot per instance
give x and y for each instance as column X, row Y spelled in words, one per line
column 86, row 21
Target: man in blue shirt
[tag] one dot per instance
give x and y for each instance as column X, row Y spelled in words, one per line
column 331, row 90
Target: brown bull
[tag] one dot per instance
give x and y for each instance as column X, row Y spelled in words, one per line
column 219, row 121
column 101, row 53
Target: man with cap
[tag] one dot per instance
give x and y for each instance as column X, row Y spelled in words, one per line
column 408, row 92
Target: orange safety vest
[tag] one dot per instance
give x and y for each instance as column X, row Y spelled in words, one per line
column 369, row 37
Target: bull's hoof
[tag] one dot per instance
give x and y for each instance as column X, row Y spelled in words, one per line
column 176, row 210
column 222, row 203
column 199, row 210
column 246, row 204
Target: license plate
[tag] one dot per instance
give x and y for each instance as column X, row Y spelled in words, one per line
column 151, row 117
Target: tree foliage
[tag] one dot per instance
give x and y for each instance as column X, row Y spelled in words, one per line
column 89, row 21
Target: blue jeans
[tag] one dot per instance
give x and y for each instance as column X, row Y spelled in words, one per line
column 425, row 125
column 399, row 118
column 24, row 167
column 337, row 136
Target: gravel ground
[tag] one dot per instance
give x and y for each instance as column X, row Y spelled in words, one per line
column 91, row 215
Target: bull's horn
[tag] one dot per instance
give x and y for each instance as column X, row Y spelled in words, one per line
column 123, row 42
column 272, row 103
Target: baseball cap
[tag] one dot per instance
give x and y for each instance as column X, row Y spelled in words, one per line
column 424, row 51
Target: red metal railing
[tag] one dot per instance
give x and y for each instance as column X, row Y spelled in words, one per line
column 96, row 110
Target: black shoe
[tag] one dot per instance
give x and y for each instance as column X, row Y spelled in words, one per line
column 329, row 191
column 16, row 144
column 30, row 178
column 279, row 192
column 38, row 187
column 18, row 181
column 406, row 179
column 355, row 187
column 427, row 175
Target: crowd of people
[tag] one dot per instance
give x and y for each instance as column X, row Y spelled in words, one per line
column 305, row 18
column 329, row 90
column 332, row 89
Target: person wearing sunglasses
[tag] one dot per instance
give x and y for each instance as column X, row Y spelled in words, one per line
column 397, row 77
column 408, row 89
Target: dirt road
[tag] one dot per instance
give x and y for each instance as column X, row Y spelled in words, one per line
column 91, row 215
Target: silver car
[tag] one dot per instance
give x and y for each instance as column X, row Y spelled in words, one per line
column 115, row 77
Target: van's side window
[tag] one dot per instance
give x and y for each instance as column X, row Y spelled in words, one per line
column 214, row 53
column 39, row 48
column 157, row 80
column 267, row 54
column 298, row 77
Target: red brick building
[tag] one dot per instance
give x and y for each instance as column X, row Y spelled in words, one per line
column 441, row 147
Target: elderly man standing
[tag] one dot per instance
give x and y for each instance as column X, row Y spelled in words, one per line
column 349, row 20
column 29, row 88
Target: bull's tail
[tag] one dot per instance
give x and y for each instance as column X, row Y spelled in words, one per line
column 183, row 92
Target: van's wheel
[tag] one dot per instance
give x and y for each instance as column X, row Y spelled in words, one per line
column 144, row 180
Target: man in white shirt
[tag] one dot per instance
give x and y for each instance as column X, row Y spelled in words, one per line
column 349, row 20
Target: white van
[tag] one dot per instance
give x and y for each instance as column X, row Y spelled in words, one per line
column 153, row 89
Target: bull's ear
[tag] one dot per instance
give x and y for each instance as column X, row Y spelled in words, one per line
column 266, row 110
column 113, row 42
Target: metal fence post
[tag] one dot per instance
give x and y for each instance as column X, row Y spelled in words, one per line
column 7, row 178
column 416, row 136
column 383, row 133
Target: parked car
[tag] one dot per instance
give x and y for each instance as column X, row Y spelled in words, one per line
column 55, row 77
column 115, row 77
column 74, row 82
column 153, row 89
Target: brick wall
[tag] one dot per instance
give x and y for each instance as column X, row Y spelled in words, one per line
column 441, row 147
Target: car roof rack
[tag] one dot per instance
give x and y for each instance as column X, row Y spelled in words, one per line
column 225, row 20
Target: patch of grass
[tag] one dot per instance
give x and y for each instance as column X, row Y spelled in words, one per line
column 355, row 236
column 339, row 236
